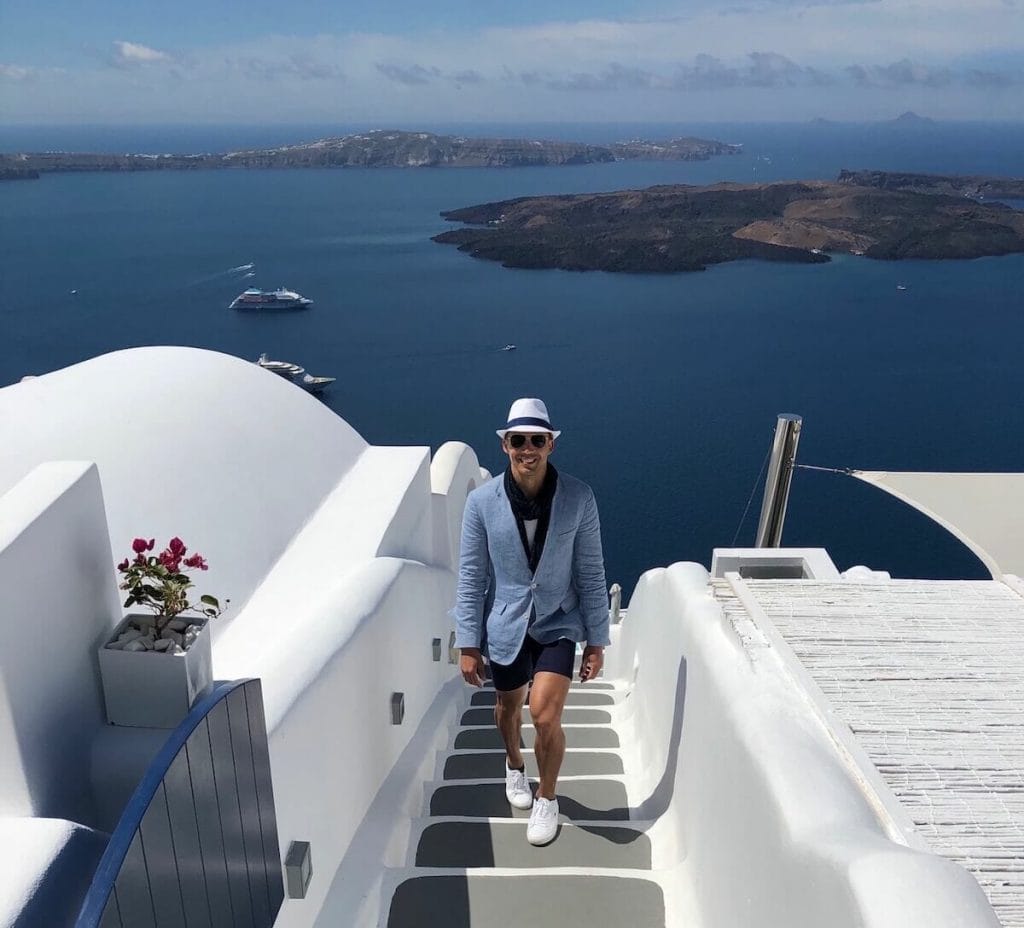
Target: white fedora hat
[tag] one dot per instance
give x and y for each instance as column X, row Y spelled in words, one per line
column 528, row 415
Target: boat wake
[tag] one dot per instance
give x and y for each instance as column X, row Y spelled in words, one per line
column 220, row 275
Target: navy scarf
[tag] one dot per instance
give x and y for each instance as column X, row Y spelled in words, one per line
column 524, row 509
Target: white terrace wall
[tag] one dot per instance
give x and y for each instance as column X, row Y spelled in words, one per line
column 193, row 443
column 772, row 824
column 58, row 600
column 329, row 668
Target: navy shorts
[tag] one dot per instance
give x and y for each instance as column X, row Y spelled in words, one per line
column 534, row 657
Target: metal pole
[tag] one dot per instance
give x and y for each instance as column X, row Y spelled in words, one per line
column 616, row 604
column 776, row 487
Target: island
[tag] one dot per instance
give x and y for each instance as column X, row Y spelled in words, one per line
column 379, row 148
column 910, row 120
column 675, row 228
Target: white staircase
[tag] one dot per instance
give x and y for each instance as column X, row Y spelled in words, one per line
column 469, row 864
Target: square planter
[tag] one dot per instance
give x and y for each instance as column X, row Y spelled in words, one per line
column 150, row 689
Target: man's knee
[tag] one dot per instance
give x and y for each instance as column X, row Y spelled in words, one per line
column 546, row 716
column 508, row 705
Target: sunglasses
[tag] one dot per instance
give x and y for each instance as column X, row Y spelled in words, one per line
column 517, row 440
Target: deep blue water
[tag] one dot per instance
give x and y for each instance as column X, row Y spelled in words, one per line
column 666, row 388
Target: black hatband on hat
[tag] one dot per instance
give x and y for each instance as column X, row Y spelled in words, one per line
column 528, row 420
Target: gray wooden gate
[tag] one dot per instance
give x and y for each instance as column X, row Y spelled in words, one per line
column 197, row 844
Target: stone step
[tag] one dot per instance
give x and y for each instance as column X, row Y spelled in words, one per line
column 575, row 698
column 484, row 764
column 584, row 800
column 504, row 844
column 575, row 685
column 538, row 901
column 485, row 716
column 490, row 738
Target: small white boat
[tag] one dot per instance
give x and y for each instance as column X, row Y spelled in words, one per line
column 509, row 348
column 900, row 287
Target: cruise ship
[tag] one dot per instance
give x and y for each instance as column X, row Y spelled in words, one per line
column 254, row 298
column 775, row 741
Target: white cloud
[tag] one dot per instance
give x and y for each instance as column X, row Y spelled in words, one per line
column 721, row 61
column 16, row 72
column 129, row 54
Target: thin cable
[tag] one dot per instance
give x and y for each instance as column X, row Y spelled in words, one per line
column 751, row 498
column 831, row 470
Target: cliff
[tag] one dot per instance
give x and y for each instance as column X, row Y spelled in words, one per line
column 383, row 148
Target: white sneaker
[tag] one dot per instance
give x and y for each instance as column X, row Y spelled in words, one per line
column 517, row 788
column 543, row 822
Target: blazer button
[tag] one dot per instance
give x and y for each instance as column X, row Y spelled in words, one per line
column 533, row 586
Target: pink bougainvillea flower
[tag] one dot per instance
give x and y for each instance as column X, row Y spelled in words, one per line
column 156, row 581
column 171, row 561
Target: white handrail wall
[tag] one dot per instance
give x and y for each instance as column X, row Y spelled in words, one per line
column 58, row 600
column 769, row 823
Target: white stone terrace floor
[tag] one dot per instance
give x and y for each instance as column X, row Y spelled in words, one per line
column 929, row 676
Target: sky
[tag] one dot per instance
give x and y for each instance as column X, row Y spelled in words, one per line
column 402, row 62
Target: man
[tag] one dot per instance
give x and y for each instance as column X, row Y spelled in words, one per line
column 531, row 585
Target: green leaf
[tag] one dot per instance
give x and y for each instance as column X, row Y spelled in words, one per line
column 210, row 601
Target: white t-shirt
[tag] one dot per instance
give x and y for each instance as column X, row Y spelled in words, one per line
column 531, row 531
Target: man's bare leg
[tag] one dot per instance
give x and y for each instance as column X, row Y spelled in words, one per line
column 508, row 716
column 547, row 699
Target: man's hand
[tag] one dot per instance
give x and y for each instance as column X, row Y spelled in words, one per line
column 593, row 661
column 472, row 666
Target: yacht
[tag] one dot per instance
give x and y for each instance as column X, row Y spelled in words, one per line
column 254, row 298
column 296, row 374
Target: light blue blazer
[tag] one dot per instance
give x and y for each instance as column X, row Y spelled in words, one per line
column 497, row 591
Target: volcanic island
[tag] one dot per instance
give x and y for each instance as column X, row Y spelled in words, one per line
column 666, row 229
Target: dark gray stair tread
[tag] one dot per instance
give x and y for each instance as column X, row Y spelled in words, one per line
column 492, row 902
column 485, row 716
column 573, row 687
column 575, row 698
column 578, row 801
column 486, row 844
column 490, row 738
column 492, row 764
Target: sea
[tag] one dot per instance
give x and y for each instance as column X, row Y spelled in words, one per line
column 666, row 388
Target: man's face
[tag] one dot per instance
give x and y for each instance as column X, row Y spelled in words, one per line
column 527, row 460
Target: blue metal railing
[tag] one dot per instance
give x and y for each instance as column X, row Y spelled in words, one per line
column 196, row 846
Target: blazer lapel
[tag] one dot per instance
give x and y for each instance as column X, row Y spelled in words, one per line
column 510, row 531
column 558, row 504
